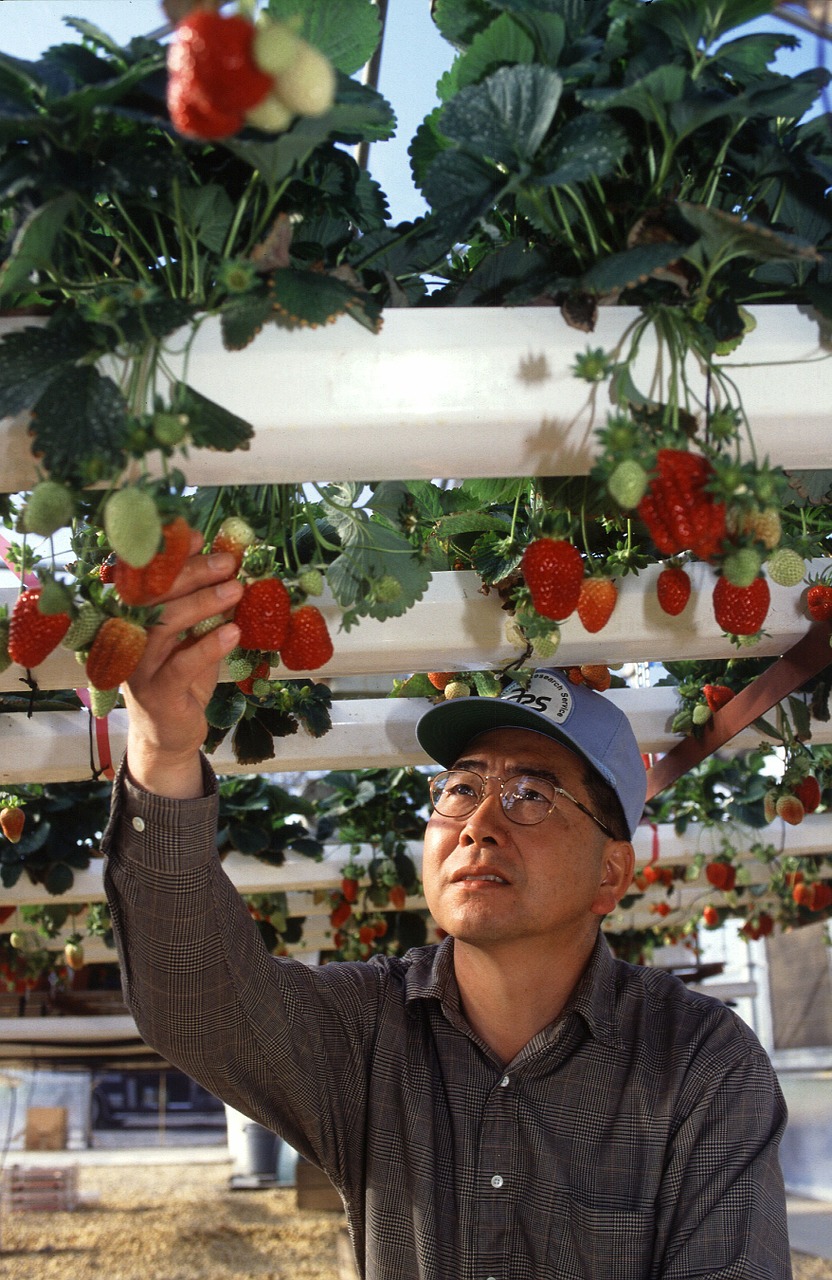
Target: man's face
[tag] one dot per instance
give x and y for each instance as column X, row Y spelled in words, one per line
column 488, row 880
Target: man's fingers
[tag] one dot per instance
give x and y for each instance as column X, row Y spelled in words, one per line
column 185, row 611
column 200, row 570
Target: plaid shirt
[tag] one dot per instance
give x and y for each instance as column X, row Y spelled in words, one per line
column 636, row 1137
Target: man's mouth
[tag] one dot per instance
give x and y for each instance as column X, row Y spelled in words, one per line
column 477, row 877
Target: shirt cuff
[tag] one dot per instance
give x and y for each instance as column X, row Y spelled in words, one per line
column 160, row 833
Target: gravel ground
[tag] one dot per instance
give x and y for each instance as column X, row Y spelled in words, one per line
column 169, row 1222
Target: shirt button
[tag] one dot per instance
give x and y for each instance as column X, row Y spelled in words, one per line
column 504, row 1082
column 497, row 1180
column 138, row 824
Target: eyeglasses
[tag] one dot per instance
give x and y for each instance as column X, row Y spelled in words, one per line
column 525, row 798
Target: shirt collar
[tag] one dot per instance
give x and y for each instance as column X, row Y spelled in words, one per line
column 431, row 976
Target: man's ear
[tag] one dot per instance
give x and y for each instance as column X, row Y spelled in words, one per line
column 617, row 864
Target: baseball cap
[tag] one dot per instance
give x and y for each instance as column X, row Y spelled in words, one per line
column 584, row 721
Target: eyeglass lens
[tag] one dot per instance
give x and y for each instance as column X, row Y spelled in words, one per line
column 525, row 798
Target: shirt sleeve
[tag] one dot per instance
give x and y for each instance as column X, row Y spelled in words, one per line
column 723, row 1205
column 284, row 1043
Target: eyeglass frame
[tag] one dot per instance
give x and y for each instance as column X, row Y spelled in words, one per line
column 493, row 777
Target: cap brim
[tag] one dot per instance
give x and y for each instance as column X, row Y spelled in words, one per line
column 446, row 730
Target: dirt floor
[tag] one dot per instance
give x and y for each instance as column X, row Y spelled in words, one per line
column 169, row 1222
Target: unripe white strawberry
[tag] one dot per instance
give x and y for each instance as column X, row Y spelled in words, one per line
column 546, row 646
column 83, row 627
column 741, row 567
column 133, row 525
column 275, row 47
column 628, row 483
column 270, row 114
column 457, row 689
column 49, row 508
column 786, row 567
column 307, row 87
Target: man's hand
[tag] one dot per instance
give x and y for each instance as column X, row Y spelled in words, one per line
column 167, row 694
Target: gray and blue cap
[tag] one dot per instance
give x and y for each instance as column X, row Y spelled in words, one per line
column 586, row 722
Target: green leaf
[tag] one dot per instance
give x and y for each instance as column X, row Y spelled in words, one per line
column 207, row 212
column 503, row 42
column 30, row 359
column 346, row 31
column 725, row 235
column 251, row 742
column 241, row 319
column 210, row 426
column 59, row 878
column 34, row 242
column 660, row 88
column 468, row 522
column 307, row 299
column 249, row 837
column 506, row 117
column 495, row 556
column 415, row 686
column 425, row 146
column 461, row 188
column 371, row 551
column 225, row 707
column 586, row 147
column 632, row 266
column 313, row 709
column 79, row 426
column 460, row 20
column 494, row 491
column 748, row 57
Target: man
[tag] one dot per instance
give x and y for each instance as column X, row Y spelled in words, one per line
column 513, row 1104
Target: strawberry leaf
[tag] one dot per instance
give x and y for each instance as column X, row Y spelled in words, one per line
column 30, row 359
column 242, row 319
column 79, row 426
column 346, row 31
column 210, row 425
column 308, row 298
column 251, row 742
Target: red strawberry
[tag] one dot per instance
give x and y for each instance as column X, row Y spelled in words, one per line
column 74, row 955
column 340, row 914
column 235, row 535
column 349, row 888
column 553, row 570
column 397, row 896
column 140, row 586
column 661, row 908
column 107, row 571
column 722, row 875
column 678, row 510
column 717, row 695
column 212, row 77
column 673, row 590
column 821, row 897
column 710, row 917
column 802, row 894
column 307, row 645
column 32, row 634
column 260, row 672
column 741, row 611
column 263, row 615
column 12, row 820
column 790, row 809
column 440, row 678
column 367, row 934
column 596, row 602
column 819, row 601
column 808, row 793
column 115, row 652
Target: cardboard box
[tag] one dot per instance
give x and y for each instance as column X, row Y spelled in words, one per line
column 46, row 1128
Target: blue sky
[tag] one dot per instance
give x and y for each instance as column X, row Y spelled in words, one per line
column 414, row 57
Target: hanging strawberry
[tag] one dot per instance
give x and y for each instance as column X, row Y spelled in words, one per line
column 213, row 79
column 678, row 509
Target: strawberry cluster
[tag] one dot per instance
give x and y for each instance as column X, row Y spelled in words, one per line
column 224, row 72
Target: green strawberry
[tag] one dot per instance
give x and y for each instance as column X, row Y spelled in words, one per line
column 786, row 567
column 701, row 713
column 741, row 566
column 83, row 627
column 133, row 525
column 311, row 582
column 50, row 506
column 54, row 598
column 102, row 701
column 628, row 483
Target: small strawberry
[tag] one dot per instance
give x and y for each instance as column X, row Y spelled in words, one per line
column 457, row 689
column 235, row 535
column 349, row 888
column 12, row 820
column 627, row 483
column 311, row 582
column 710, row 917
column 439, row 679
column 307, row 645
column 107, row 570
column 50, row 506
column 307, row 86
column 673, row 590
column 115, row 652
column 259, row 672
column 717, row 695
column 596, row 601
column 722, row 875
column 133, row 525
column 553, row 570
column 32, row 634
column 340, row 914
column 74, row 955
column 140, row 586
column 786, row 567
column 741, row 566
column 790, row 809
column 397, row 896
column 212, row 77
column 741, row 611
column 808, row 793
column 263, row 615
column 819, row 601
